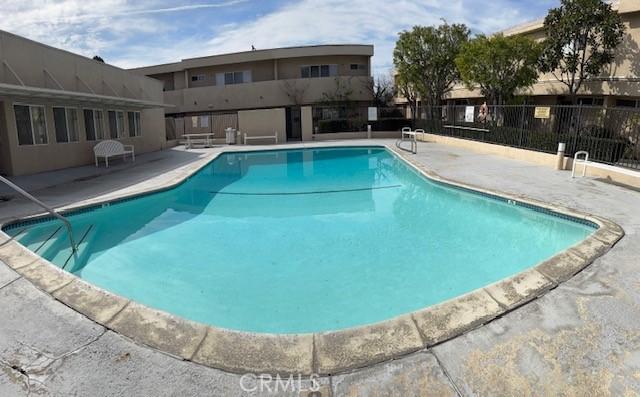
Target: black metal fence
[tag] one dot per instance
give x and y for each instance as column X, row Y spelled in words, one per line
column 610, row 135
column 331, row 119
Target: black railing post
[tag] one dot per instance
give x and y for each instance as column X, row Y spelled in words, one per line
column 521, row 125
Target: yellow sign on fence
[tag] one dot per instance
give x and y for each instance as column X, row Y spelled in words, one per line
column 542, row 112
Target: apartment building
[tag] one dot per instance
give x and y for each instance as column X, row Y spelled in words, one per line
column 209, row 93
column 56, row 105
column 618, row 86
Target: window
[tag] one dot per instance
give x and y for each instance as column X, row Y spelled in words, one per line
column 116, row 123
column 198, row 77
column 134, row 124
column 66, row 123
column 591, row 101
column 233, row 78
column 31, row 124
column 200, row 121
column 358, row 66
column 318, row 71
column 93, row 124
column 626, row 103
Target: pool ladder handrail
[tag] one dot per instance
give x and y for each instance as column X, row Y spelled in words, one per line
column 412, row 138
column 50, row 210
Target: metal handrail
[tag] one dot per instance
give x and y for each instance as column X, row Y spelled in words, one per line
column 50, row 210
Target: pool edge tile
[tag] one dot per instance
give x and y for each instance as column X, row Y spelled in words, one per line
column 45, row 277
column 446, row 320
column 520, row 288
column 95, row 303
column 158, row 329
column 352, row 348
column 242, row 352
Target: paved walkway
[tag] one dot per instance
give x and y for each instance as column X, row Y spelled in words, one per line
column 582, row 339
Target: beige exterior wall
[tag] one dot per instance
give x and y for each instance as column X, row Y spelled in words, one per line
column 290, row 68
column 263, row 122
column 260, row 71
column 34, row 66
column 266, row 94
column 306, row 120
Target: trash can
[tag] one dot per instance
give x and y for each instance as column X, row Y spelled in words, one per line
column 231, row 136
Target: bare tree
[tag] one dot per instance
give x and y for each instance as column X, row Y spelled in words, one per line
column 340, row 95
column 295, row 90
column 382, row 91
column 408, row 91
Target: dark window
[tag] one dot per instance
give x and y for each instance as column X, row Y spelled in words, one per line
column 238, row 78
column 89, row 125
column 324, row 70
column 315, row 71
column 60, row 121
column 134, row 123
column 23, row 122
column 354, row 66
column 113, row 124
column 305, row 72
column 626, row 103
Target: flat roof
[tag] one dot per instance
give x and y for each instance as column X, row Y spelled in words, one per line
column 258, row 55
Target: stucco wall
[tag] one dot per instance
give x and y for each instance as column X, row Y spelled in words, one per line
column 265, row 94
column 263, row 122
column 306, row 121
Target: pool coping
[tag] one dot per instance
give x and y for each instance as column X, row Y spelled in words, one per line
column 324, row 353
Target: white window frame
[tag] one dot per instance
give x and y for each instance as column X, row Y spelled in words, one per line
column 94, row 112
column 203, row 121
column 241, row 73
column 137, row 126
column 198, row 77
column 331, row 66
column 33, row 130
column 120, row 132
column 66, row 120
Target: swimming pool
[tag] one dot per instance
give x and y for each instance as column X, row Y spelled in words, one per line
column 306, row 240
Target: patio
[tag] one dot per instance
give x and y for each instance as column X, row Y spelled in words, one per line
column 582, row 338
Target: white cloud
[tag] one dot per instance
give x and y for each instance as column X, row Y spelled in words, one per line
column 135, row 36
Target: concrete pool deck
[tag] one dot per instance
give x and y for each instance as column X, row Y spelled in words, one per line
column 582, row 337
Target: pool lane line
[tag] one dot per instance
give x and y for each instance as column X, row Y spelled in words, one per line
column 303, row 193
column 47, row 239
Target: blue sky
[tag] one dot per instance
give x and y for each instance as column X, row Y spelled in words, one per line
column 130, row 33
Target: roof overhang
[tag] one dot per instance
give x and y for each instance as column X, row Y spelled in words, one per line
column 26, row 93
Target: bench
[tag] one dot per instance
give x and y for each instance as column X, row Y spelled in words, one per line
column 274, row 137
column 109, row 148
column 206, row 140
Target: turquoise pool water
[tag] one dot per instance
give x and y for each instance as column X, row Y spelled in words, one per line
column 305, row 240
